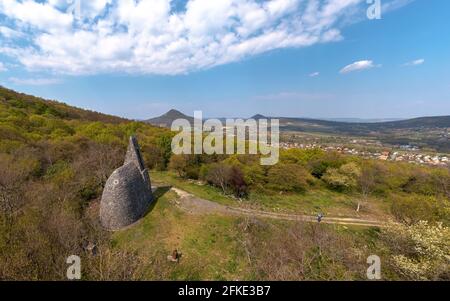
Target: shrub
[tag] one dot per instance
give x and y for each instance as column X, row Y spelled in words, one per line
column 420, row 251
column 218, row 174
column 288, row 177
column 321, row 162
column 344, row 178
column 237, row 182
column 180, row 164
column 411, row 209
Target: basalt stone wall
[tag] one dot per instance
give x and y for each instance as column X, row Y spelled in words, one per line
column 127, row 193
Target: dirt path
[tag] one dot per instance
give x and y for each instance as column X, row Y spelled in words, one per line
column 194, row 205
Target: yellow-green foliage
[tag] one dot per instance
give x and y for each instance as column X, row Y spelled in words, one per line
column 54, row 161
column 411, row 208
column 346, row 177
column 288, row 177
column 421, row 251
column 26, row 120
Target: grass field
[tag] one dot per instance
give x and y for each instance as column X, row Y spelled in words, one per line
column 213, row 246
column 311, row 202
column 209, row 244
column 202, row 191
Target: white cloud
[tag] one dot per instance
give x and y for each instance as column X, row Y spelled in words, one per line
column 314, row 74
column 2, row 67
column 9, row 33
column 394, row 5
column 358, row 66
column 148, row 36
column 415, row 62
column 42, row 16
column 34, row 81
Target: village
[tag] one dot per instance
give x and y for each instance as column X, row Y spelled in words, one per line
column 405, row 154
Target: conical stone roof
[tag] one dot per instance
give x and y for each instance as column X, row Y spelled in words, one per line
column 127, row 193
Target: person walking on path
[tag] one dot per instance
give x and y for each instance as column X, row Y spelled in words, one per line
column 319, row 217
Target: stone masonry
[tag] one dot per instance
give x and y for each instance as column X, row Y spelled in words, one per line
column 127, row 193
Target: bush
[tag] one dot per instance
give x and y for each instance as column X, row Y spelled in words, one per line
column 411, row 209
column 180, row 164
column 420, row 251
column 218, row 174
column 228, row 178
column 288, row 177
column 428, row 182
column 344, row 178
column 237, row 182
column 321, row 162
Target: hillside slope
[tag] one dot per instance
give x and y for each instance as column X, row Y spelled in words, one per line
column 166, row 119
column 31, row 122
column 36, row 105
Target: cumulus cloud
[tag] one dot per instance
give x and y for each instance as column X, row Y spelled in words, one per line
column 9, row 33
column 34, row 81
column 42, row 16
column 314, row 74
column 415, row 62
column 358, row 66
column 2, row 67
column 152, row 37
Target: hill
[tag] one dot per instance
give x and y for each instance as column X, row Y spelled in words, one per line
column 362, row 120
column 33, row 123
column 258, row 117
column 341, row 126
column 36, row 105
column 363, row 128
column 166, row 119
column 429, row 132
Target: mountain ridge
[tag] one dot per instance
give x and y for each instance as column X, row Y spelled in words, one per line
column 425, row 121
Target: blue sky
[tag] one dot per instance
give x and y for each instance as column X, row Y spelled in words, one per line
column 304, row 58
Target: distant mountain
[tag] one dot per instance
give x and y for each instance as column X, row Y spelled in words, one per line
column 362, row 120
column 423, row 132
column 258, row 117
column 362, row 128
column 166, row 119
column 350, row 126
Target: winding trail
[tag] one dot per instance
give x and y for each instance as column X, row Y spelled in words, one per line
column 194, row 205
